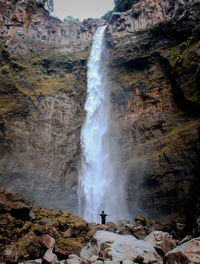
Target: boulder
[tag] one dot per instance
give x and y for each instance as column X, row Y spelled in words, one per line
column 138, row 231
column 111, row 227
column 188, row 252
column 27, row 247
column 161, row 241
column 73, row 261
column 15, row 204
column 50, row 257
column 185, row 239
column 64, row 247
column 47, row 241
column 114, row 247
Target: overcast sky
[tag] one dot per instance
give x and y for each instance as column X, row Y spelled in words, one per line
column 82, row 8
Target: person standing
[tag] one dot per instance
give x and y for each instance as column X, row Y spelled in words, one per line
column 103, row 219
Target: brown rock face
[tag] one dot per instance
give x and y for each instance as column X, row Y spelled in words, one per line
column 44, row 151
column 161, row 241
column 144, row 14
column 26, row 24
column 157, row 119
column 185, row 253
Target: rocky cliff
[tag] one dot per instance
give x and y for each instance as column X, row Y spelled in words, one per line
column 154, row 74
column 43, row 86
column 155, row 92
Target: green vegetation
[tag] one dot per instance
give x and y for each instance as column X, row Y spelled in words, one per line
column 123, row 5
column 120, row 6
column 70, row 19
column 39, row 74
column 107, row 15
column 49, row 4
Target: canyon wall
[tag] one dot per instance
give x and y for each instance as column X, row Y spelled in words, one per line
column 154, row 75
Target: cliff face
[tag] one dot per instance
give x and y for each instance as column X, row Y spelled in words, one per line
column 42, row 92
column 26, row 25
column 154, row 74
column 155, row 93
column 146, row 13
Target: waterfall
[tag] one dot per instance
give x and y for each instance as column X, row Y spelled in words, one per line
column 101, row 185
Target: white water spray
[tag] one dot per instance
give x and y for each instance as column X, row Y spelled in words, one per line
column 101, row 185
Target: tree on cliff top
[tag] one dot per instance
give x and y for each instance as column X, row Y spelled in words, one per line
column 123, row 5
column 49, row 4
column 120, row 6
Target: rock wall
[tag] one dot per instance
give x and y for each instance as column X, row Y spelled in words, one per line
column 26, row 24
column 146, row 13
column 155, row 97
column 42, row 92
column 39, row 153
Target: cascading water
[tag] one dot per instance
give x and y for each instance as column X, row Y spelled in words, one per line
column 101, row 185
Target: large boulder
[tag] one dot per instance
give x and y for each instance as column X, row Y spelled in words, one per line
column 27, row 247
column 115, row 247
column 188, row 252
column 161, row 241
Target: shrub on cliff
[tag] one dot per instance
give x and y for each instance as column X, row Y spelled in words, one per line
column 123, row 5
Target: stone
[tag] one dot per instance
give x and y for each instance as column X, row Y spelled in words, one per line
column 49, row 257
column 86, row 261
column 48, row 241
column 124, row 223
column 138, row 231
column 27, row 247
column 114, row 247
column 185, row 239
column 188, row 252
column 94, row 258
column 72, row 256
column 73, row 261
column 90, row 250
column 112, row 227
column 35, row 261
column 161, row 241
column 123, row 231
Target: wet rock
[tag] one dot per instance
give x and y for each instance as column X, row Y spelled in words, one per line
column 111, row 227
column 161, row 241
column 72, row 256
column 114, row 247
column 186, row 253
column 35, row 261
column 90, row 250
column 50, row 257
column 27, row 247
column 124, row 223
column 73, row 261
column 124, row 231
column 47, row 241
column 185, row 239
column 15, row 204
column 138, row 231
column 64, row 247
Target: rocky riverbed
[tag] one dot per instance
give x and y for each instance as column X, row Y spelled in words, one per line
column 32, row 234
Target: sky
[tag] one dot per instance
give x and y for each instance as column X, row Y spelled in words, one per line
column 82, row 9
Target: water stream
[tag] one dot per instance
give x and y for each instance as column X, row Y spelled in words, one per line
column 101, row 183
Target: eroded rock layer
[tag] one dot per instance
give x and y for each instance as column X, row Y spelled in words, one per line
column 154, row 76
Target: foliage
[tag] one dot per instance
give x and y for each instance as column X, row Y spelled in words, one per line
column 107, row 15
column 123, row 5
column 49, row 4
column 70, row 19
